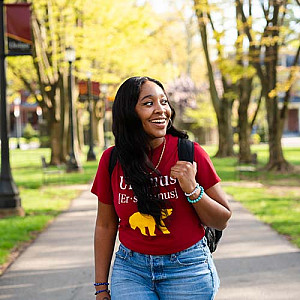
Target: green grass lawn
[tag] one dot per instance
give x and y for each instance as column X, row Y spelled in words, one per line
column 277, row 202
column 41, row 202
column 226, row 166
column 28, row 173
column 41, row 206
column 279, row 207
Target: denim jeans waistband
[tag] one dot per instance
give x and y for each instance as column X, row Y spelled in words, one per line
column 202, row 243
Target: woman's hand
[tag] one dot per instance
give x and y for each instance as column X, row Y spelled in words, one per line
column 103, row 296
column 185, row 173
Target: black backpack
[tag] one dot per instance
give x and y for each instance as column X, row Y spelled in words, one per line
column 186, row 153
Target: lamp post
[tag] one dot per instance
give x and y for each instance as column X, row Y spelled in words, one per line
column 39, row 113
column 72, row 162
column 17, row 114
column 10, row 202
column 91, row 154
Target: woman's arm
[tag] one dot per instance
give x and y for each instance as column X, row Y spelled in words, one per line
column 104, row 241
column 213, row 208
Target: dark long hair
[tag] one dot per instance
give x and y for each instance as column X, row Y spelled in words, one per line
column 132, row 145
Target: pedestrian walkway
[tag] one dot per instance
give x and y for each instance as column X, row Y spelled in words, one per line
column 59, row 264
column 256, row 263
column 253, row 261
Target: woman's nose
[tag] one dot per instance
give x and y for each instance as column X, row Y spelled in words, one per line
column 158, row 107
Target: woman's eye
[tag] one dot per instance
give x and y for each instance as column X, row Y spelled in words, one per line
column 164, row 101
column 148, row 103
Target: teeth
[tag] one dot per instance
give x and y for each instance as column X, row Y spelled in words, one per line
column 158, row 121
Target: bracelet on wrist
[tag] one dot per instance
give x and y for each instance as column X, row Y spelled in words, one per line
column 194, row 191
column 100, row 283
column 101, row 291
column 199, row 197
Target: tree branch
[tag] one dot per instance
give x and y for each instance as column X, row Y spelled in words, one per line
column 287, row 95
column 203, row 33
column 266, row 13
column 23, row 79
column 246, row 27
column 283, row 15
column 257, row 109
column 224, row 81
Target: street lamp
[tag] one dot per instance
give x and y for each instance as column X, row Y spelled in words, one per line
column 17, row 114
column 39, row 113
column 10, row 202
column 91, row 154
column 72, row 162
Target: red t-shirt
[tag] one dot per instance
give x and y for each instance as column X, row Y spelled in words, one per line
column 139, row 232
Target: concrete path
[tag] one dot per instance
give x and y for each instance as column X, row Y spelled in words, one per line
column 59, row 264
column 253, row 261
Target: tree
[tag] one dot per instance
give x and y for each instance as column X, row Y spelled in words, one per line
column 223, row 100
column 48, row 84
column 264, row 53
column 245, row 87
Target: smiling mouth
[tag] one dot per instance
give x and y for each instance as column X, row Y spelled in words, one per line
column 159, row 121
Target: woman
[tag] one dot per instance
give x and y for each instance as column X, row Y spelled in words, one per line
column 157, row 203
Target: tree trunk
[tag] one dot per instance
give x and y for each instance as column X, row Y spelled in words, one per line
column 80, row 128
column 245, row 89
column 64, row 124
column 225, row 130
column 276, row 161
column 223, row 108
column 243, row 124
column 55, row 140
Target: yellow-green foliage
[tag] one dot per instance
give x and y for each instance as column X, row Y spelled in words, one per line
column 255, row 138
column 113, row 39
column 204, row 116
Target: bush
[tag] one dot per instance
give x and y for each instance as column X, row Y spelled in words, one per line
column 263, row 134
column 255, row 138
column 44, row 142
column 236, row 138
column 29, row 132
column 109, row 136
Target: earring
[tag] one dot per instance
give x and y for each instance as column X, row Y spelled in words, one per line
column 169, row 124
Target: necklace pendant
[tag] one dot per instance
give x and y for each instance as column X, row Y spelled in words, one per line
column 160, row 158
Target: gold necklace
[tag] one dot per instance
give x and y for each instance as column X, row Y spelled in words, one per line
column 160, row 158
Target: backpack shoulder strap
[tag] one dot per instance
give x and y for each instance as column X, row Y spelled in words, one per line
column 185, row 150
column 186, row 153
column 112, row 160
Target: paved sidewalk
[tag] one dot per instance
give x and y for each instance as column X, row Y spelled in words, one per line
column 253, row 261
column 59, row 264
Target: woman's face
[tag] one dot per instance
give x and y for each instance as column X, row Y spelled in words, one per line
column 154, row 111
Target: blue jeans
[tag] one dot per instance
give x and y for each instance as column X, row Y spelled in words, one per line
column 189, row 274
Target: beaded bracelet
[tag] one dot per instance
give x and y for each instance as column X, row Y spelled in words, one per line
column 199, row 197
column 101, row 291
column 101, row 283
column 194, row 191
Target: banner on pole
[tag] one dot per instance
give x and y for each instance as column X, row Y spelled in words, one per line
column 83, row 90
column 18, row 29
